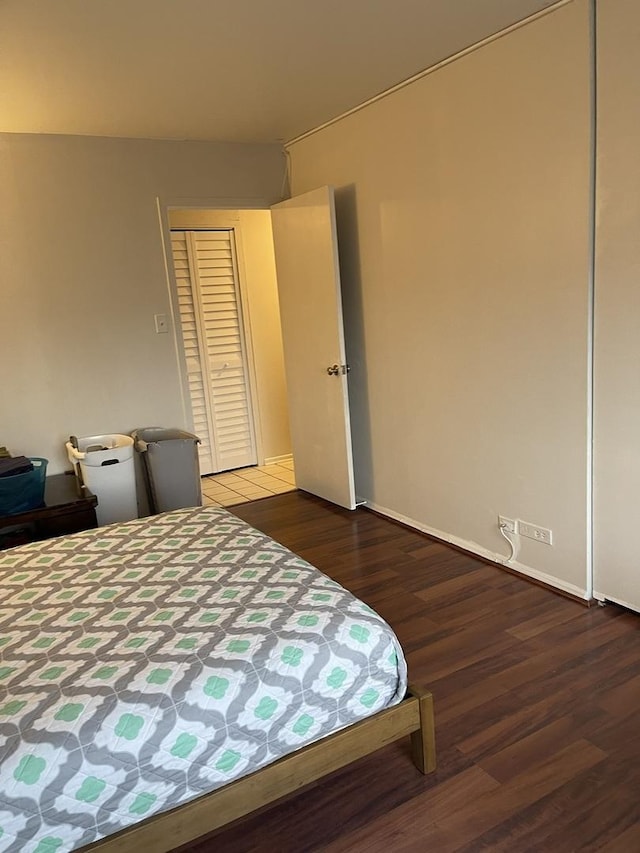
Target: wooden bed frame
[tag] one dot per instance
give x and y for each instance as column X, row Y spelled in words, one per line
column 185, row 823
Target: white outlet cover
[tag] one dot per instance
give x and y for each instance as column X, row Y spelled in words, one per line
column 535, row 532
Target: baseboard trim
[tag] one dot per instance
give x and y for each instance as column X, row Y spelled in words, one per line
column 278, row 460
column 514, row 566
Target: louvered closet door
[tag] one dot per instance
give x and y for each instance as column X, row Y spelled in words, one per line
column 197, row 382
column 206, row 276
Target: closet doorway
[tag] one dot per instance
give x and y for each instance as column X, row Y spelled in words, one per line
column 228, row 335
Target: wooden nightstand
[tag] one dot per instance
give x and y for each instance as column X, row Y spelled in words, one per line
column 67, row 508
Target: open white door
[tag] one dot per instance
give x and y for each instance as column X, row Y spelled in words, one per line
column 306, row 250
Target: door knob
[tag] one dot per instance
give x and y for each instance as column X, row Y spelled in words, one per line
column 337, row 369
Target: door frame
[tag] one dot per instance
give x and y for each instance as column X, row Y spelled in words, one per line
column 164, row 207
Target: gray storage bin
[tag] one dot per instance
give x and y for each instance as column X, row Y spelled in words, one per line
column 171, row 466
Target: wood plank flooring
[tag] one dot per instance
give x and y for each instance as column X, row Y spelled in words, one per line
column 537, row 706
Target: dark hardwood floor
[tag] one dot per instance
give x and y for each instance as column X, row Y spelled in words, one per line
column 537, row 705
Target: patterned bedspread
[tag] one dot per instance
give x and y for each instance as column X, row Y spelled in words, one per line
column 146, row 663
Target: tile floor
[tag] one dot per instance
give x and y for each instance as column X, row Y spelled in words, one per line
column 248, row 484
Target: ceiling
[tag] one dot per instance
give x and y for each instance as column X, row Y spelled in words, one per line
column 238, row 70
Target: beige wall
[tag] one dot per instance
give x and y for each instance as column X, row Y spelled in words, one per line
column 254, row 243
column 617, row 328
column 463, row 215
column 82, row 274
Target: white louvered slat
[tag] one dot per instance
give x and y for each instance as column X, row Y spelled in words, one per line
column 210, row 314
column 224, row 343
column 189, row 326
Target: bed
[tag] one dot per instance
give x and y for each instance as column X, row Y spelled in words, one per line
column 162, row 677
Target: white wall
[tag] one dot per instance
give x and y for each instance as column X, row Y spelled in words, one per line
column 617, row 330
column 463, row 215
column 254, row 243
column 82, row 274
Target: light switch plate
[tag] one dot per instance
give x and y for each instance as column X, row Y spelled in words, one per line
column 162, row 325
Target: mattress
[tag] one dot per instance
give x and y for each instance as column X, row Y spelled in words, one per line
column 147, row 663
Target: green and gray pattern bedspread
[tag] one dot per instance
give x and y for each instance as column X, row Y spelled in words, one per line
column 146, row 663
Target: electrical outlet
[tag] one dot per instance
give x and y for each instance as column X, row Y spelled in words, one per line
column 507, row 524
column 533, row 531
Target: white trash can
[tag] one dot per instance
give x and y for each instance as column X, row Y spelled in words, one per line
column 107, row 469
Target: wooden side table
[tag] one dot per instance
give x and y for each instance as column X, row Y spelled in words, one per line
column 68, row 507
